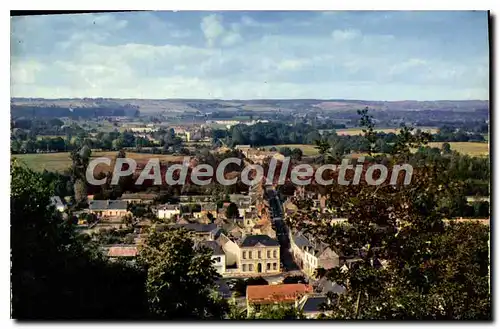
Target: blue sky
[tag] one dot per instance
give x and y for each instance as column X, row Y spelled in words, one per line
column 243, row 55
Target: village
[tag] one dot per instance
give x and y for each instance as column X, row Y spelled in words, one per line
column 247, row 235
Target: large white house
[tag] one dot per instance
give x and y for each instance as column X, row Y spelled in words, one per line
column 168, row 211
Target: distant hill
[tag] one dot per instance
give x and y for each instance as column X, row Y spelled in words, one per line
column 129, row 107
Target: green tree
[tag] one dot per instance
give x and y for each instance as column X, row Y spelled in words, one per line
column 180, row 279
column 57, row 274
column 297, row 154
column 277, row 312
column 408, row 264
column 232, row 211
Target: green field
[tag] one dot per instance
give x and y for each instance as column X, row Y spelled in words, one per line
column 470, row 148
column 359, row 131
column 61, row 161
column 306, row 149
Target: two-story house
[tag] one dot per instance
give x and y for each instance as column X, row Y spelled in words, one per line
column 259, row 254
column 311, row 254
column 218, row 255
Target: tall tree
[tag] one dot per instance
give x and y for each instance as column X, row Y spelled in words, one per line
column 180, row 279
column 406, row 262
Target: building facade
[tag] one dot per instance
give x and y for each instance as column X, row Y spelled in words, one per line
column 259, row 254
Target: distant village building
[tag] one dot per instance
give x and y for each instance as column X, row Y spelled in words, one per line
column 108, row 208
column 135, row 198
column 168, row 211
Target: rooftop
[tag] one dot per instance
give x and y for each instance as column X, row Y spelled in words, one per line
column 254, row 240
column 286, row 293
column 107, row 205
column 313, row 304
column 138, row 196
column 197, row 227
column 122, row 251
column 169, row 207
column 214, row 246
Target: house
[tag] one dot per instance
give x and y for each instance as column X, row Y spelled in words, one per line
column 196, row 198
column 168, row 211
column 147, row 198
column 218, row 255
column 274, row 294
column 311, row 254
column 263, row 226
column 57, row 202
column 312, row 305
column 122, row 252
column 207, row 208
column 230, row 248
column 201, row 231
column 242, row 201
column 259, row 254
column 108, row 208
column 243, row 148
column 324, row 286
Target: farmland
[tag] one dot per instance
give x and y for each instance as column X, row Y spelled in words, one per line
column 358, row 131
column 61, row 161
column 469, row 148
column 306, row 149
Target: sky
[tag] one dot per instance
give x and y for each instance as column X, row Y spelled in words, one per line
column 369, row 55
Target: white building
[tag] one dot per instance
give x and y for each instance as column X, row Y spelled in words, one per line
column 168, row 211
column 218, row 255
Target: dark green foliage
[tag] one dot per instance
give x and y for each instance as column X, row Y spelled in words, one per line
column 180, row 280
column 232, row 211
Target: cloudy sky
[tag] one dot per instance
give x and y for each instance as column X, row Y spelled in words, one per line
column 245, row 55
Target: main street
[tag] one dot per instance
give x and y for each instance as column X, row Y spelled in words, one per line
column 281, row 228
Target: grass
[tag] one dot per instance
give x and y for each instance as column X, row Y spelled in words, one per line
column 61, row 161
column 359, row 131
column 306, row 149
column 469, row 148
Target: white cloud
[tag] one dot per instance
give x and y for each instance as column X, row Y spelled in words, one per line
column 212, row 28
column 231, row 38
column 25, row 72
column 342, row 35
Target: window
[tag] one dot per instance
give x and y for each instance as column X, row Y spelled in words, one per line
column 250, row 254
column 269, row 254
column 275, row 255
column 244, row 255
column 244, row 267
column 217, row 259
column 250, row 267
column 268, row 266
column 259, row 255
column 274, row 266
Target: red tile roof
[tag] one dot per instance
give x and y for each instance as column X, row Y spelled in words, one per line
column 286, row 293
column 122, row 251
